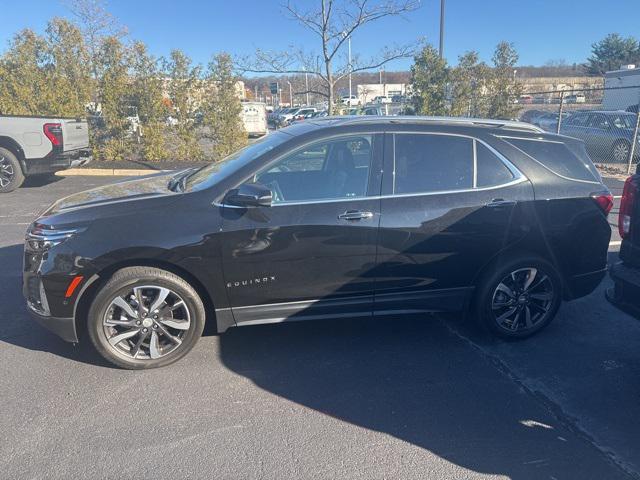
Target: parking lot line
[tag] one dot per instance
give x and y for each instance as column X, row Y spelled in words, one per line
column 615, row 243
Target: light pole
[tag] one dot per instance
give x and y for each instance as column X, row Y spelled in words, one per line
column 306, row 83
column 290, row 94
column 441, row 46
column 349, row 40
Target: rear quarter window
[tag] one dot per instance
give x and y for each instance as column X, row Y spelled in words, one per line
column 569, row 161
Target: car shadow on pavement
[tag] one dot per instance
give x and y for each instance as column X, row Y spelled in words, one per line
column 421, row 379
column 16, row 325
column 37, row 181
column 413, row 378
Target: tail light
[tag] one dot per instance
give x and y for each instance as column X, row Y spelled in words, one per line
column 604, row 201
column 53, row 131
column 629, row 194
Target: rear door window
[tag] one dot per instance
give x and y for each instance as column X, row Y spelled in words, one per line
column 432, row 163
column 569, row 162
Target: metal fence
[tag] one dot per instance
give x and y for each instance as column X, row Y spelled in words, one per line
column 606, row 119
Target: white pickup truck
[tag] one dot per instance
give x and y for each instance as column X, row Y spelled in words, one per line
column 40, row 145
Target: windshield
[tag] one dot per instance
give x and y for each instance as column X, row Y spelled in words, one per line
column 208, row 175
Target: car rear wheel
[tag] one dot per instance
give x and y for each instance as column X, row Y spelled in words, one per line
column 11, row 176
column 145, row 317
column 519, row 298
column 620, row 151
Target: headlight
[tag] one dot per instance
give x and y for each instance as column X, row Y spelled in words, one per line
column 42, row 237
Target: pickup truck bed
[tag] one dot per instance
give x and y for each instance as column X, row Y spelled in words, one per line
column 38, row 145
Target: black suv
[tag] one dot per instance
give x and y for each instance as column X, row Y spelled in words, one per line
column 330, row 218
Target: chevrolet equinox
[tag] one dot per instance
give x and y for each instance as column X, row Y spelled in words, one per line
column 329, row 218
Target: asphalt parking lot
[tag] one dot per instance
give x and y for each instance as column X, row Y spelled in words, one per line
column 419, row 397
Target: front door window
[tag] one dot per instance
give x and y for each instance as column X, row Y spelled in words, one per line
column 336, row 168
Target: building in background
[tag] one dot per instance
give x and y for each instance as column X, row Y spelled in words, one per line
column 368, row 91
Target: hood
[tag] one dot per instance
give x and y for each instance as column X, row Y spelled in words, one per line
column 140, row 188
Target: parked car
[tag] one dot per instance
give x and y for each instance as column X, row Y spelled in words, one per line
column 607, row 135
column 377, row 111
column 382, row 99
column 302, row 113
column 578, row 98
column 492, row 217
column 530, row 116
column 351, row 101
column 40, row 145
column 626, row 271
column 398, row 99
column 286, row 117
column 549, row 121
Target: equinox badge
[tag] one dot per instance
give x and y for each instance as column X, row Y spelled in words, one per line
column 251, row 281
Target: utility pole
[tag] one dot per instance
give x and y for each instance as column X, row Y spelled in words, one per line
column 441, row 47
column 290, row 94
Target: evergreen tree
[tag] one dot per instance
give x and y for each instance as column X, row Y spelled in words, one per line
column 223, row 108
column 503, row 87
column 430, row 77
column 611, row 53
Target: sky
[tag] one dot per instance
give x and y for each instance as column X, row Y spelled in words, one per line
column 542, row 30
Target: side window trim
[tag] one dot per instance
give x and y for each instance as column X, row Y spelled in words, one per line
column 518, row 176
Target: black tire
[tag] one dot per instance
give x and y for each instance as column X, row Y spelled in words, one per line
column 488, row 296
column 120, row 354
column 620, row 151
column 11, row 176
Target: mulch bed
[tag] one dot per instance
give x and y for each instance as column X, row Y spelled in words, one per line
column 137, row 164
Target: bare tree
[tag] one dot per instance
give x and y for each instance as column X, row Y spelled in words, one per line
column 331, row 22
column 96, row 24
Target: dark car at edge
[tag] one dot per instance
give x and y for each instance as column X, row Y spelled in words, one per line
column 625, row 273
column 329, row 218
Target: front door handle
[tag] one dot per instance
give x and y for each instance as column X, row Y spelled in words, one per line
column 500, row 202
column 355, row 215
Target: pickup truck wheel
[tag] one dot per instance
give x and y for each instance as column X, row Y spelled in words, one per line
column 11, row 176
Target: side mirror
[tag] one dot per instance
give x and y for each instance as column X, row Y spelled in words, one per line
column 249, row 195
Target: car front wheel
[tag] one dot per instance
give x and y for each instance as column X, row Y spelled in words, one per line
column 145, row 317
column 519, row 298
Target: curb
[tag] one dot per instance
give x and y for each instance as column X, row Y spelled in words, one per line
column 107, row 172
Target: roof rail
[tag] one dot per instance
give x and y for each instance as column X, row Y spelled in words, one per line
column 514, row 125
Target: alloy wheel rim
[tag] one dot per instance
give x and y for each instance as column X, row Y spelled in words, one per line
column 146, row 322
column 6, row 172
column 621, row 152
column 522, row 299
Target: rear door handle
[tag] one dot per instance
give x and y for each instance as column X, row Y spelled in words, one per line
column 500, row 202
column 355, row 215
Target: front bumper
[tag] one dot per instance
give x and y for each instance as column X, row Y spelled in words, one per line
column 65, row 328
column 625, row 293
